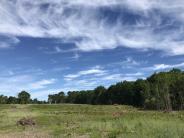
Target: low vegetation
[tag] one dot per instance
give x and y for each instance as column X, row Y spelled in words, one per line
column 88, row 121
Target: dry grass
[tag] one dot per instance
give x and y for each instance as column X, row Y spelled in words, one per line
column 87, row 121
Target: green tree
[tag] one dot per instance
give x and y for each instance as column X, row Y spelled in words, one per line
column 99, row 96
column 3, row 99
column 12, row 100
column 140, row 92
column 24, row 97
column 61, row 97
column 52, row 98
column 71, row 97
column 178, row 94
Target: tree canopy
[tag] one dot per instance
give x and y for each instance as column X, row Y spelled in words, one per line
column 160, row 91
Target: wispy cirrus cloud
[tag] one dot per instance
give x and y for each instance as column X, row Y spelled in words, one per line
column 128, row 62
column 7, row 41
column 95, row 76
column 155, row 24
column 118, row 77
column 92, row 81
column 162, row 66
column 167, row 66
column 93, row 71
column 13, row 85
column 42, row 83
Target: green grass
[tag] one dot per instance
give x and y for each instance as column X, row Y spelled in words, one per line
column 88, row 121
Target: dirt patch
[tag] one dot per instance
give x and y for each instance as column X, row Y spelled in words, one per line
column 117, row 114
column 26, row 122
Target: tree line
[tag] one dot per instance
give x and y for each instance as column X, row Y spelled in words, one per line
column 22, row 98
column 160, row 91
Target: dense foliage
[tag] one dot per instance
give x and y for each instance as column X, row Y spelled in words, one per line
column 23, row 98
column 160, row 91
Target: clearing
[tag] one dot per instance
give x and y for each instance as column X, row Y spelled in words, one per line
column 88, row 121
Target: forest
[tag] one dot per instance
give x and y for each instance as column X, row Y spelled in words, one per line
column 160, row 91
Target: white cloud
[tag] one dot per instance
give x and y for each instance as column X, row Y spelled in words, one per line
column 161, row 66
column 41, row 84
column 129, row 62
column 92, row 81
column 15, row 83
column 89, row 79
column 80, row 84
column 76, row 56
column 134, row 74
column 122, row 77
column 93, row 71
column 8, row 41
column 71, row 19
column 158, row 67
column 39, row 89
column 166, row 66
column 43, row 94
column 117, row 77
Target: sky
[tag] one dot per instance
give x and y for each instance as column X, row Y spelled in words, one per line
column 48, row 46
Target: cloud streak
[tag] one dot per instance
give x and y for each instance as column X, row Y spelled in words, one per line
column 8, row 41
column 85, row 24
column 15, row 83
column 93, row 77
column 93, row 71
column 167, row 66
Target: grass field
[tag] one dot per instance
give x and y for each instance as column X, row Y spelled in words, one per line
column 87, row 121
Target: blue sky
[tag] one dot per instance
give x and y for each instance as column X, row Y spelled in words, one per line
column 48, row 46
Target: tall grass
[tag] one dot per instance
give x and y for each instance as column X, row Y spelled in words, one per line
column 90, row 121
